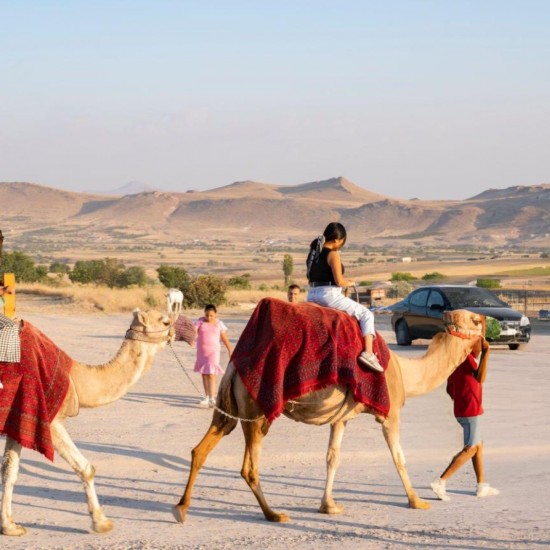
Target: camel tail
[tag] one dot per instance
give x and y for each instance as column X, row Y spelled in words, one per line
column 226, row 402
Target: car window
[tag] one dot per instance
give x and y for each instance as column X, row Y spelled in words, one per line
column 419, row 298
column 472, row 296
column 436, row 299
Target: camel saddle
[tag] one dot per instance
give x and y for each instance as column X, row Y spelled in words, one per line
column 34, row 390
column 288, row 350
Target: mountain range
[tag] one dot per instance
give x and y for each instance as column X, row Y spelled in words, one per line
column 251, row 211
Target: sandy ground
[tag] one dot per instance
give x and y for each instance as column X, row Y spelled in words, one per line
column 141, row 447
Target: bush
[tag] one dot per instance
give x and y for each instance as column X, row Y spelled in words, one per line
column 203, row 290
column 488, row 283
column 58, row 267
column 400, row 276
column 173, row 277
column 240, row 281
column 110, row 272
column 22, row 266
column 434, row 276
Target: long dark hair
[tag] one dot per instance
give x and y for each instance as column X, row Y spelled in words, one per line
column 332, row 232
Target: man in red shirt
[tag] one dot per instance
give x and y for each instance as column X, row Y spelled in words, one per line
column 465, row 388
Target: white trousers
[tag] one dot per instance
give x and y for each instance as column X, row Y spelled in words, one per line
column 331, row 296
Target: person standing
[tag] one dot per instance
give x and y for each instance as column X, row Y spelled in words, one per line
column 210, row 331
column 325, row 274
column 465, row 388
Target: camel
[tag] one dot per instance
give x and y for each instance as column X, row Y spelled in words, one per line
column 91, row 386
column 334, row 405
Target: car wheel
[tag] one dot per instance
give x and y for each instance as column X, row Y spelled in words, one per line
column 513, row 346
column 402, row 334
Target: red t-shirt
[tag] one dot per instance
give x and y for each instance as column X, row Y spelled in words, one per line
column 465, row 390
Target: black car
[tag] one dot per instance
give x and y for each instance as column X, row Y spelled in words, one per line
column 420, row 314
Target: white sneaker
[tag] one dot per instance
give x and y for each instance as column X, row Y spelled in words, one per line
column 485, row 490
column 439, row 487
column 370, row 360
column 211, row 402
column 205, row 402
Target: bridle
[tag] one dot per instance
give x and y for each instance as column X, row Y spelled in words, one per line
column 466, row 334
column 146, row 336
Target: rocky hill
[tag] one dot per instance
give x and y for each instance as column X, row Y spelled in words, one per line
column 252, row 211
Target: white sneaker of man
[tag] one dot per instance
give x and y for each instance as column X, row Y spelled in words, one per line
column 485, row 490
column 439, row 487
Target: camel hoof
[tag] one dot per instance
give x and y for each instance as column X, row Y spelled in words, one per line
column 103, row 526
column 14, row 530
column 278, row 517
column 331, row 509
column 180, row 513
column 419, row 504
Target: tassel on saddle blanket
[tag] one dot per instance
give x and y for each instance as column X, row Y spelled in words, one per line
column 288, row 350
column 34, row 390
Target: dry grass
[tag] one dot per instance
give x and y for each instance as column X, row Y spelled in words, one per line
column 99, row 298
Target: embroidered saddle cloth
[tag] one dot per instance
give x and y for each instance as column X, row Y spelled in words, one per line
column 287, row 350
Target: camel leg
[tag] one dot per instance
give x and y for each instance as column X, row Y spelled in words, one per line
column 10, row 471
column 198, row 458
column 390, row 429
column 254, row 433
column 328, row 506
column 69, row 452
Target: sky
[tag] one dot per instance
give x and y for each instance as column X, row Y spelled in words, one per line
column 433, row 99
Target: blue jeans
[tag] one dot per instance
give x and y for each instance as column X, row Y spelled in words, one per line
column 331, row 296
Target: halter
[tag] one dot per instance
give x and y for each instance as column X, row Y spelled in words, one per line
column 466, row 334
column 142, row 336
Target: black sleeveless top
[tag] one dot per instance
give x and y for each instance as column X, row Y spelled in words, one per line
column 320, row 271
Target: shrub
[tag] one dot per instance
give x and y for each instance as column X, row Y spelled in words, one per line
column 173, row 277
column 203, row 290
column 240, row 281
column 488, row 283
column 22, row 266
column 401, row 276
column 434, row 276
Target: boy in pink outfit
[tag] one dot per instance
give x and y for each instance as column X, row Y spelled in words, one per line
column 210, row 331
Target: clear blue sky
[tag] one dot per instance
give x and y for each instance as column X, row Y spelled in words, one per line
column 431, row 99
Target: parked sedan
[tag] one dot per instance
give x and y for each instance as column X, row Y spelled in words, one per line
column 420, row 314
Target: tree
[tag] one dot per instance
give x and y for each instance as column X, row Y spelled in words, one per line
column 203, row 290
column 240, row 281
column 173, row 277
column 22, row 266
column 86, row 271
column 288, row 267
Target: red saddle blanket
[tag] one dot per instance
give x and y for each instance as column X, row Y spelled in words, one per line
column 287, row 350
column 34, row 390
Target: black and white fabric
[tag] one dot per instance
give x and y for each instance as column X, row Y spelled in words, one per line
column 315, row 253
column 10, row 348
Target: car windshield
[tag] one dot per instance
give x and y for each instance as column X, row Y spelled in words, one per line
column 472, row 297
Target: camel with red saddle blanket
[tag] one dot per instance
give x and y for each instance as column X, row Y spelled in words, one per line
column 334, row 404
column 79, row 386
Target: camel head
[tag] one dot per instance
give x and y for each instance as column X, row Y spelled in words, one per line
column 151, row 326
column 466, row 324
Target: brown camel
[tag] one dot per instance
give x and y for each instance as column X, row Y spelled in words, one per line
column 92, row 386
column 405, row 378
